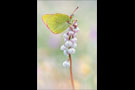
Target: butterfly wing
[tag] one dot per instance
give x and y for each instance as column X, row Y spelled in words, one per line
column 45, row 17
column 57, row 23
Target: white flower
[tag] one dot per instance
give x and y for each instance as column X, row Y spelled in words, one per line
column 72, row 27
column 74, row 45
column 74, row 35
column 74, row 39
column 66, row 36
column 75, row 23
column 68, row 29
column 71, row 51
column 65, row 52
column 76, row 29
column 65, row 39
column 62, row 47
column 70, row 33
column 66, row 64
column 68, row 44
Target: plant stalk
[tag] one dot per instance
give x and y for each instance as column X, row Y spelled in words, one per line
column 71, row 74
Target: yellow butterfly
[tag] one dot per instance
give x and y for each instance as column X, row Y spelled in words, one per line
column 58, row 22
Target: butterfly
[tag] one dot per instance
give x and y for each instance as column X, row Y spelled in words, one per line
column 58, row 23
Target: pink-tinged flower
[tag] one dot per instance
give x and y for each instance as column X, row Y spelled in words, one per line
column 63, row 47
column 70, row 33
column 71, row 51
column 66, row 64
column 74, row 40
column 65, row 39
column 68, row 44
column 75, row 23
column 74, row 45
column 66, row 36
column 76, row 30
column 74, row 35
column 65, row 53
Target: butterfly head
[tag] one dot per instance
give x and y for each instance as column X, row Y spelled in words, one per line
column 71, row 20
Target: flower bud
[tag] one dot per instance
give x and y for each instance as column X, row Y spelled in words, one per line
column 74, row 35
column 66, row 36
column 74, row 45
column 73, row 40
column 62, row 47
column 65, row 39
column 70, row 33
column 76, row 29
column 71, row 51
column 68, row 29
column 65, row 52
column 66, row 64
column 75, row 23
column 68, row 44
column 71, row 28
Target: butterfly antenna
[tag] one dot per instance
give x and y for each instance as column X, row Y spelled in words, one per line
column 74, row 10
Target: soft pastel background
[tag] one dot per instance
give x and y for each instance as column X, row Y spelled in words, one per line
column 51, row 74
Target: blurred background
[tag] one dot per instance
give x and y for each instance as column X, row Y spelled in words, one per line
column 50, row 72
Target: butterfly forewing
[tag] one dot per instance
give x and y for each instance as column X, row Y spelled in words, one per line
column 57, row 23
column 45, row 17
